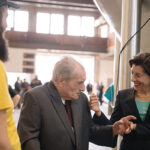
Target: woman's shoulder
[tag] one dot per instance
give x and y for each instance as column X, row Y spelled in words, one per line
column 129, row 92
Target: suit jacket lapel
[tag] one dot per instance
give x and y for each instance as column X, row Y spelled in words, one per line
column 132, row 104
column 60, row 110
column 148, row 114
column 76, row 113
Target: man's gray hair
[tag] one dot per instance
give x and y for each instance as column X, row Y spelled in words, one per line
column 66, row 68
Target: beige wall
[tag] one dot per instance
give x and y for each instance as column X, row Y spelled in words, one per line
column 106, row 70
column 15, row 63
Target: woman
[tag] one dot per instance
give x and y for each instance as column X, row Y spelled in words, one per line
column 133, row 101
column 9, row 139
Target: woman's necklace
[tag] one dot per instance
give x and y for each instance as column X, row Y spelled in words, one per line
column 143, row 97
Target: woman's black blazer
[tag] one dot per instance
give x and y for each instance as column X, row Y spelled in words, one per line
column 125, row 105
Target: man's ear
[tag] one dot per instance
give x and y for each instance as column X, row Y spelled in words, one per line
column 61, row 82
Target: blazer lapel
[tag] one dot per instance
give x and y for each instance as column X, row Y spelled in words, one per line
column 148, row 114
column 76, row 113
column 132, row 104
column 134, row 110
column 60, row 110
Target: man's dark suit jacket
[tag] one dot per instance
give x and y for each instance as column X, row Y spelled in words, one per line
column 125, row 105
column 44, row 124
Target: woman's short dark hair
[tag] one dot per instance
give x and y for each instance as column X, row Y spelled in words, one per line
column 143, row 60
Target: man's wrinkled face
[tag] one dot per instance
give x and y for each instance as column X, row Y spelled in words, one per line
column 72, row 88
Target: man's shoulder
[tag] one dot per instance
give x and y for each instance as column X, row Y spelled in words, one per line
column 39, row 89
column 126, row 94
column 83, row 97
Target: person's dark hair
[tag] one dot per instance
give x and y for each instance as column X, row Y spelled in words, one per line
column 143, row 60
column 3, row 41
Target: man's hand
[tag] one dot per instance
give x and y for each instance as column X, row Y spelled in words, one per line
column 124, row 125
column 94, row 104
column 133, row 126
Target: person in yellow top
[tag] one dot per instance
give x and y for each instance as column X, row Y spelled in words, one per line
column 9, row 139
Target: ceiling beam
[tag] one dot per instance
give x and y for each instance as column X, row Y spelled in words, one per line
column 32, row 40
column 61, row 3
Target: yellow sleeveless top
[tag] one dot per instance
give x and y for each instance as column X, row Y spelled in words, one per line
column 6, row 103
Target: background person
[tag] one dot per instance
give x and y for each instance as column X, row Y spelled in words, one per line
column 14, row 95
column 89, row 88
column 18, row 85
column 100, row 89
column 35, row 82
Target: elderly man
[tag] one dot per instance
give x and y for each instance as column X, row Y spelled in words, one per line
column 56, row 116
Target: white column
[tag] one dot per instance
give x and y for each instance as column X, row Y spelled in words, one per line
column 124, row 76
column 136, row 23
column 97, row 69
column 116, row 69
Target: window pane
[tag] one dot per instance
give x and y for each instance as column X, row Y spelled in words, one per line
column 87, row 26
column 10, row 20
column 43, row 23
column 57, row 24
column 21, row 21
column 104, row 31
column 74, row 25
